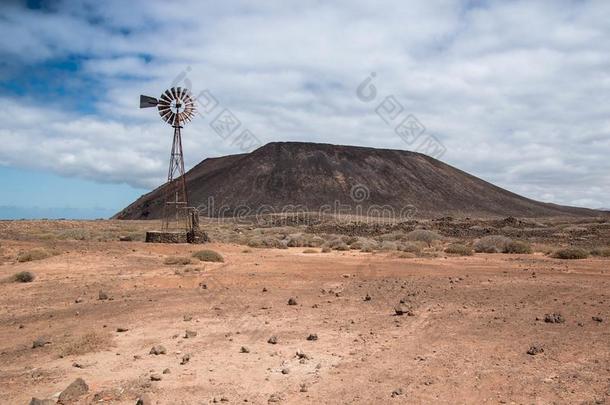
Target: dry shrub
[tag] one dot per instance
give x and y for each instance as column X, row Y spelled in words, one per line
column 326, row 249
column 571, row 253
column 267, row 242
column 247, row 251
column 423, row 235
column 177, row 260
column 90, row 342
column 310, row 251
column 411, row 247
column 207, row 255
column 23, row 277
column 388, row 245
column 407, row 255
column 459, row 249
column 492, row 244
column 602, row 252
column 518, row 246
column 35, row 254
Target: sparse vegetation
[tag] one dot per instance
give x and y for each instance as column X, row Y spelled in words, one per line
column 411, row 247
column 601, row 252
column 571, row 253
column 459, row 249
column 423, row 235
column 310, row 251
column 177, row 260
column 90, row 342
column 23, row 277
column 208, row 255
column 35, row 254
column 326, row 249
column 517, row 246
column 492, row 244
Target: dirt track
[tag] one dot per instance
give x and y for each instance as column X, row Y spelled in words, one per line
column 474, row 319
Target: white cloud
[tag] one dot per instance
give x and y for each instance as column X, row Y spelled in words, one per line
column 517, row 91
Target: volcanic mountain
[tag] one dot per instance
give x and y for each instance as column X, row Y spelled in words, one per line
column 342, row 179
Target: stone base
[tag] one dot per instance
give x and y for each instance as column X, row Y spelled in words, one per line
column 176, row 237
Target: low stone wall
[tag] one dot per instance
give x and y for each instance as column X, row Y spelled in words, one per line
column 176, row 237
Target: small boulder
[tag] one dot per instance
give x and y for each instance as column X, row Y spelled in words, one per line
column 40, row 342
column 155, row 377
column 597, row 318
column 144, row 400
column 554, row 318
column 121, row 329
column 292, row 301
column 272, row 340
column 244, row 349
column 535, row 349
column 157, row 350
column 74, row 391
column 190, row 334
column 312, row 337
column 102, row 295
column 397, row 392
column 185, row 359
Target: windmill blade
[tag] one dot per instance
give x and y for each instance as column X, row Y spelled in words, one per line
column 147, row 101
column 174, row 93
column 166, row 96
column 180, row 92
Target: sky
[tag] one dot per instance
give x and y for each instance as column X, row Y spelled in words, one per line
column 514, row 92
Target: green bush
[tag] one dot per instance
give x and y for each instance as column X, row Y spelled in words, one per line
column 423, row 235
column 571, row 253
column 517, row 246
column 207, row 255
column 24, row 277
column 492, row 244
column 177, row 260
column 459, row 249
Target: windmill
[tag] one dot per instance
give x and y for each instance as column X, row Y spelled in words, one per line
column 176, row 107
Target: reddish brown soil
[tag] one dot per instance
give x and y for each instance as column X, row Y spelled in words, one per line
column 474, row 319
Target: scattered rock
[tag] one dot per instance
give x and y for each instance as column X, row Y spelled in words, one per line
column 75, row 390
column 121, row 329
column 157, row 350
column 166, row 371
column 597, row 318
column 78, row 365
column 187, row 318
column 190, row 334
column 78, row 300
column 274, row 398
column 397, row 392
column 102, row 295
column 535, row 349
column 264, row 289
column 292, row 301
column 155, row 377
column 312, row 337
column 554, row 318
column 185, row 359
column 402, row 310
column 244, row 349
column 285, row 371
column 272, row 340
column 40, row 342
column 367, row 297
column 302, row 355
column 303, row 387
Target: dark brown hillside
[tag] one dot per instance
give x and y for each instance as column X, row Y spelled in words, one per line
column 312, row 175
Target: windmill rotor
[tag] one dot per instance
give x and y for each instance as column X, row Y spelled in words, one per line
column 176, row 105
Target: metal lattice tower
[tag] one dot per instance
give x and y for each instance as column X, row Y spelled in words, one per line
column 176, row 107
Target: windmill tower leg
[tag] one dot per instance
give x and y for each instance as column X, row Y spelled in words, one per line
column 175, row 214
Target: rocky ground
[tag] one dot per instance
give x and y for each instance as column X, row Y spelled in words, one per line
column 284, row 326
